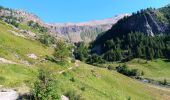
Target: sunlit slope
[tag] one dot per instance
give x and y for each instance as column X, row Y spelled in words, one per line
column 158, row 69
column 16, row 48
column 102, row 84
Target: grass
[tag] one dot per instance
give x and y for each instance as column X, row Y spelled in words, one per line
column 15, row 75
column 90, row 82
column 12, row 46
column 16, row 49
column 158, row 69
column 102, row 84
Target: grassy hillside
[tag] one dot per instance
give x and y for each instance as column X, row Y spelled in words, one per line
column 12, row 46
column 157, row 69
column 16, row 49
column 16, row 75
column 100, row 84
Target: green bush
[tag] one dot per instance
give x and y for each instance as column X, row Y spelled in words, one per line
column 72, row 79
column 164, row 82
column 110, row 67
column 45, row 88
column 126, row 71
column 83, row 88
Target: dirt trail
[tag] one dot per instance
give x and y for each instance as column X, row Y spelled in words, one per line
column 70, row 68
column 5, row 61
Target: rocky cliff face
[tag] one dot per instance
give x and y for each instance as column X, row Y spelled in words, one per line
column 75, row 33
column 146, row 22
column 86, row 31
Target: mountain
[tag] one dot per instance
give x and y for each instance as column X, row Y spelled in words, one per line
column 86, row 31
column 152, row 22
column 29, row 66
column 144, row 34
column 73, row 32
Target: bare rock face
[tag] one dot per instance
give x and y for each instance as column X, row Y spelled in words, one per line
column 86, row 31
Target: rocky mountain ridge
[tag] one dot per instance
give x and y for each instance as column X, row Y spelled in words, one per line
column 86, row 31
column 73, row 32
column 152, row 22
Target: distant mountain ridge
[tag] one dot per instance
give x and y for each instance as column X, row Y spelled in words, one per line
column 94, row 22
column 86, row 31
column 73, row 32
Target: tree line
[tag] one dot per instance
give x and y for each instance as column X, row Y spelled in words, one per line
column 127, row 47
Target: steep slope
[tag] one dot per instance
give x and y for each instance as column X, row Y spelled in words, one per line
column 13, row 47
column 151, row 22
column 101, row 84
column 20, row 58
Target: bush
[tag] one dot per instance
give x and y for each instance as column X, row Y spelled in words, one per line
column 45, row 88
column 126, row 71
column 36, row 26
column 83, row 88
column 164, row 82
column 72, row 79
column 46, row 39
column 110, row 67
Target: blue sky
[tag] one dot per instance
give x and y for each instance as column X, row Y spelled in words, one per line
column 80, row 10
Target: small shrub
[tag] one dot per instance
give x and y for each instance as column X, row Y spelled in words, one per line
column 126, row 71
column 129, row 98
column 83, row 88
column 73, row 60
column 72, row 79
column 64, row 74
column 164, row 82
column 142, row 73
column 110, row 67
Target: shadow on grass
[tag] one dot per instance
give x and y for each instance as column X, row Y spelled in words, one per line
column 166, row 60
